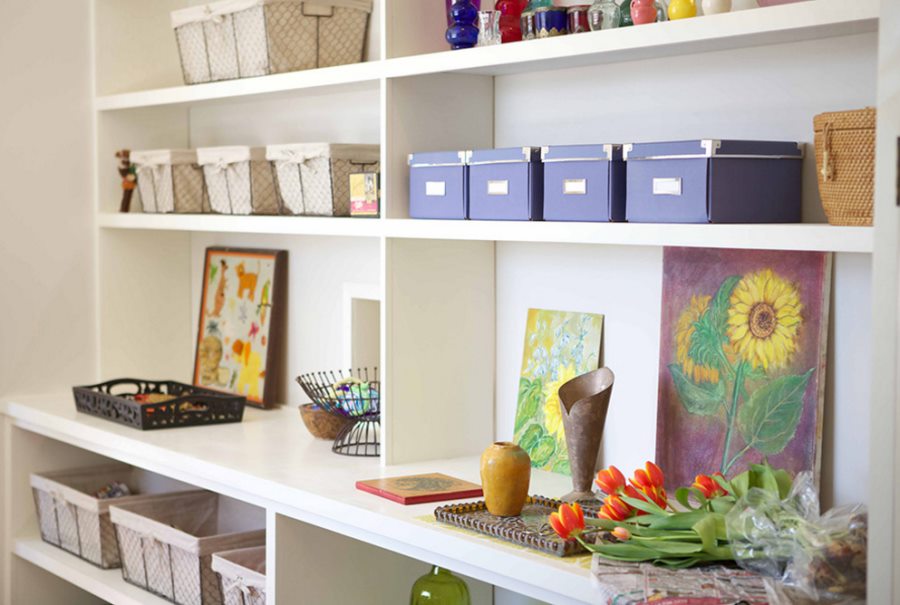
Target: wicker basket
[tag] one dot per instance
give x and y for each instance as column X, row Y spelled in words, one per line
column 243, row 574
column 245, row 38
column 170, row 181
column 71, row 518
column 239, row 180
column 314, row 178
column 167, row 545
column 845, row 165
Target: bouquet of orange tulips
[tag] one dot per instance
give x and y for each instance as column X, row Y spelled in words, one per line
column 637, row 523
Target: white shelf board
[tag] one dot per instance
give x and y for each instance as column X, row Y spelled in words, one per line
column 801, row 236
column 217, row 223
column 768, row 237
column 773, row 25
column 270, row 460
column 323, row 78
column 755, row 27
column 106, row 584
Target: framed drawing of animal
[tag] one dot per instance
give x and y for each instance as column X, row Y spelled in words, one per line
column 242, row 310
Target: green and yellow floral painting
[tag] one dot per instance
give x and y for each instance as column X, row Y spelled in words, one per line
column 559, row 345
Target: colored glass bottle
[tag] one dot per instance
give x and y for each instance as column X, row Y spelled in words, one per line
column 625, row 10
column 477, row 4
column 462, row 33
column 510, row 20
column 643, row 11
column 439, row 587
column 682, row 9
column 662, row 11
column 604, row 14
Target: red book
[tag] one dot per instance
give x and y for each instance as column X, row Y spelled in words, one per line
column 417, row 489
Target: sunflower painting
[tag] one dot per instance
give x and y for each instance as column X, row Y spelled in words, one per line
column 559, row 346
column 742, row 360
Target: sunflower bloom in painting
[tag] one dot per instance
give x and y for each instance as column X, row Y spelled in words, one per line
column 553, row 421
column 684, row 331
column 764, row 318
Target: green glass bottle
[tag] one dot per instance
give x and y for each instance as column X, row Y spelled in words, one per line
column 439, row 587
column 625, row 20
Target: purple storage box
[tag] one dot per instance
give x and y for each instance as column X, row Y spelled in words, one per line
column 710, row 181
column 439, row 185
column 506, row 184
column 584, row 183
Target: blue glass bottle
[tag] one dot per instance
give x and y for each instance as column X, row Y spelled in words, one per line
column 462, row 33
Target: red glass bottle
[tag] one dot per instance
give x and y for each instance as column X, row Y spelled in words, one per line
column 510, row 19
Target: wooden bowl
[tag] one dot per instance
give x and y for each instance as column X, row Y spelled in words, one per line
column 322, row 424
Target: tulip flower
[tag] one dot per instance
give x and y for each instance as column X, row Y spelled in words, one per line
column 615, row 509
column 610, row 480
column 649, row 476
column 708, row 486
column 568, row 522
column 621, row 534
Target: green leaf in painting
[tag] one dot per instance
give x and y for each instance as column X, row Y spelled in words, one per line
column 531, row 436
column 530, row 393
column 769, row 419
column 699, row 399
column 562, row 467
column 710, row 329
column 542, row 451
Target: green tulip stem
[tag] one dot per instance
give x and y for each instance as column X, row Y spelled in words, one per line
column 732, row 415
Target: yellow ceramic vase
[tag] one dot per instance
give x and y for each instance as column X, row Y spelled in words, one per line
column 682, row 9
column 505, row 476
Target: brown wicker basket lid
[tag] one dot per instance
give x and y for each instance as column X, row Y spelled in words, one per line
column 855, row 119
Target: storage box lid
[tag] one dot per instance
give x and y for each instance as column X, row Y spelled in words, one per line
column 298, row 153
column 713, row 148
column 229, row 155
column 163, row 157
column 216, row 11
column 507, row 155
column 583, row 153
column 438, row 158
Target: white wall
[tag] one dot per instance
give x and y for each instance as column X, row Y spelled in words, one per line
column 47, row 292
column 605, row 103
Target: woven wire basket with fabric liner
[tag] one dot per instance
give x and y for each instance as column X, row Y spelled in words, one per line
column 354, row 395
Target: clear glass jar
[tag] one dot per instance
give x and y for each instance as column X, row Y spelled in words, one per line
column 604, row 14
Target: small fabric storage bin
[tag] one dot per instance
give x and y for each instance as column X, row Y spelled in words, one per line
column 72, row 518
column 314, row 178
column 439, row 185
column 845, row 165
column 506, row 184
column 239, row 180
column 584, row 183
column 169, row 180
column 709, row 181
column 244, row 38
column 167, row 544
column 243, row 575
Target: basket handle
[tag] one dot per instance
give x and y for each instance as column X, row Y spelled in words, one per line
column 827, row 168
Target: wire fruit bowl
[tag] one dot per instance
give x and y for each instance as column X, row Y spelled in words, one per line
column 354, row 395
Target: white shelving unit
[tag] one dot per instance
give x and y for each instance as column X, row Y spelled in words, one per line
column 453, row 294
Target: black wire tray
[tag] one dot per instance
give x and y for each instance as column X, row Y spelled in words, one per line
column 190, row 405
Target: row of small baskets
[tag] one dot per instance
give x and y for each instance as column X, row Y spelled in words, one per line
column 181, row 546
column 299, row 179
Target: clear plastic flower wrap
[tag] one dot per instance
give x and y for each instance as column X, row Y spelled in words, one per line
column 812, row 558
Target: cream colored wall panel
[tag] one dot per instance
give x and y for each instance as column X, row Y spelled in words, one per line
column 439, row 389
column 147, row 128
column 432, row 113
column 47, row 287
column 748, row 93
column 145, row 305
column 318, row 267
column 884, row 455
column 313, row 565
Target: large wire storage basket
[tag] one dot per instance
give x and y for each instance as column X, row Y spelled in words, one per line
column 354, row 395
column 239, row 180
column 246, row 38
